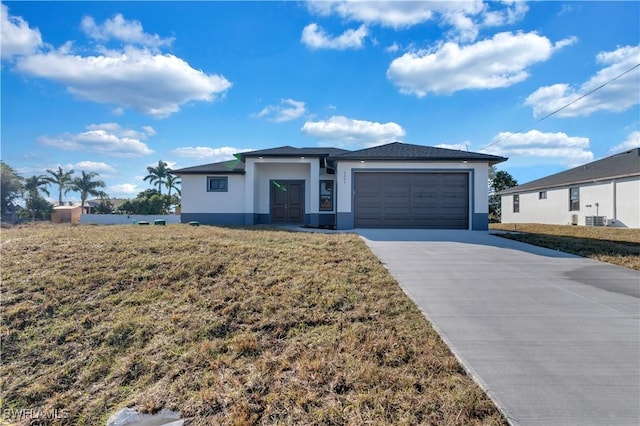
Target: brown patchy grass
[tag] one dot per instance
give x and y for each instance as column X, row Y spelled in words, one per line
column 227, row 326
column 618, row 246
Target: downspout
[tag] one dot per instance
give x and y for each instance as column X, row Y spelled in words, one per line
column 335, row 197
column 615, row 201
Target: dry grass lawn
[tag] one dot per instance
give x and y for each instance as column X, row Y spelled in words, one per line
column 619, row 246
column 227, row 326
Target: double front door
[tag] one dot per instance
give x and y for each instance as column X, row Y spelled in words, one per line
column 286, row 201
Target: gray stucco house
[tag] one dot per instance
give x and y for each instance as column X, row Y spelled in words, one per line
column 396, row 185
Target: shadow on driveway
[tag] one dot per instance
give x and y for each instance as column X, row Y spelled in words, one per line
column 457, row 236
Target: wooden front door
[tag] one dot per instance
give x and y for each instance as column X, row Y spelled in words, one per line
column 287, row 201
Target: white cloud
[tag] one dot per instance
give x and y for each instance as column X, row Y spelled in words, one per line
column 107, row 139
column 116, row 129
column 343, row 131
column 464, row 17
column 210, row 154
column 395, row 14
column 94, row 166
column 500, row 61
column 619, row 95
column 16, row 38
column 287, row 110
column 632, row 141
column 118, row 28
column 123, row 189
column 534, row 147
column 458, row 146
column 393, row 48
column 128, row 79
column 315, row 37
column 512, row 12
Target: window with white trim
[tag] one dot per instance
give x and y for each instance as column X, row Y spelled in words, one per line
column 574, row 199
column 516, row 203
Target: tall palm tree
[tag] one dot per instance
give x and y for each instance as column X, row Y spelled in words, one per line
column 158, row 175
column 86, row 186
column 62, row 179
column 33, row 186
column 172, row 183
column 36, row 184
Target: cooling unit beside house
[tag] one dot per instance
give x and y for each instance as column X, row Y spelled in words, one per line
column 573, row 219
column 595, row 220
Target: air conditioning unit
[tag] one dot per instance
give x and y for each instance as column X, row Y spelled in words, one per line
column 573, row 219
column 594, row 220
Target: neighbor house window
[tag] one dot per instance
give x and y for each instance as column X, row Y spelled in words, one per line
column 516, row 203
column 326, row 195
column 217, row 184
column 542, row 195
column 574, row 199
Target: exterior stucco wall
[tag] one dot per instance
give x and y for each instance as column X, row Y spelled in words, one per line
column 196, row 199
column 628, row 202
column 478, row 184
column 266, row 171
column 617, row 199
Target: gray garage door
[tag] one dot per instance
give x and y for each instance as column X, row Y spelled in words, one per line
column 412, row 200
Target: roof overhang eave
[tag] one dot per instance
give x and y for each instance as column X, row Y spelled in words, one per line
column 562, row 185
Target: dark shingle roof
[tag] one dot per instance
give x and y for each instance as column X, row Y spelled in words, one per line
column 225, row 167
column 620, row 165
column 290, row 151
column 405, row 151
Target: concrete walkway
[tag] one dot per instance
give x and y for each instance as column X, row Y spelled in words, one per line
column 554, row 339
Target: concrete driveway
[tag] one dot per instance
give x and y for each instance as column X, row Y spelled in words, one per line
column 554, row 339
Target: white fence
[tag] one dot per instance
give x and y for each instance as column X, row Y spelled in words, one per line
column 126, row 219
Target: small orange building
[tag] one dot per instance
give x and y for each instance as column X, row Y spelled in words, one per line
column 66, row 214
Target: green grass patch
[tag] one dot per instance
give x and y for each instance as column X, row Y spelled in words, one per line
column 227, row 326
column 612, row 245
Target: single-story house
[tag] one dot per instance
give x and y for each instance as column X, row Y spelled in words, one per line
column 605, row 192
column 396, row 185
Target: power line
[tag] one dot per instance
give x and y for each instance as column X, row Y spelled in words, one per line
column 570, row 103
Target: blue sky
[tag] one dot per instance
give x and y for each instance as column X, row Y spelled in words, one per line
column 113, row 87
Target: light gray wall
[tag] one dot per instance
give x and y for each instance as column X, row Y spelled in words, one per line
column 124, row 219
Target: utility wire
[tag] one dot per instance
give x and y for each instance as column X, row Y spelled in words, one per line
column 570, row 103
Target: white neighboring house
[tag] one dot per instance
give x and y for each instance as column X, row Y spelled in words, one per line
column 390, row 186
column 604, row 192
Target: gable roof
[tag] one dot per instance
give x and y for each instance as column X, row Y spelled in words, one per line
column 616, row 166
column 290, row 151
column 405, row 151
column 231, row 167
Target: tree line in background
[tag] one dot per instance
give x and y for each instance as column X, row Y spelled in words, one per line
column 15, row 187
column 499, row 180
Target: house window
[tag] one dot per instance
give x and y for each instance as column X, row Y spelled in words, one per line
column 217, row 184
column 542, row 195
column 326, row 195
column 574, row 199
column 516, row 203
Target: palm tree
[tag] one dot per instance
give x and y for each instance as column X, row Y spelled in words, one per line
column 158, row 175
column 33, row 186
column 62, row 179
column 172, row 183
column 86, row 186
